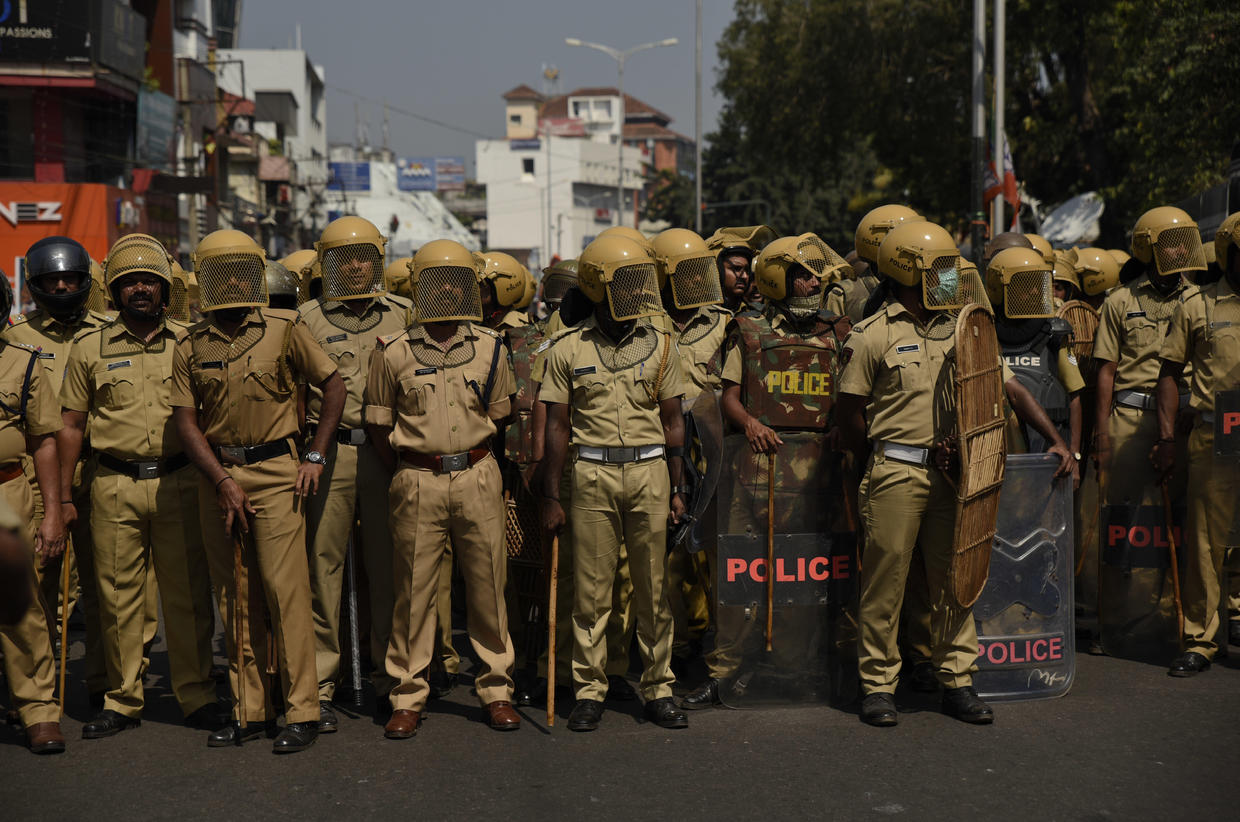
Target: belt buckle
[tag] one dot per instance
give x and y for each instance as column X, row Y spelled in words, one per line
column 233, row 454
column 622, row 454
column 454, row 462
column 148, row 470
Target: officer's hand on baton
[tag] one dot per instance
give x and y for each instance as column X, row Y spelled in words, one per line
column 1162, row 455
column 49, row 541
column 678, row 509
column 234, row 505
column 553, row 518
column 762, row 439
column 68, row 515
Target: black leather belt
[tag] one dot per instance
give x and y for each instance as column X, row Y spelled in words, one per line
column 250, row 454
column 344, row 436
column 144, row 469
column 445, row 463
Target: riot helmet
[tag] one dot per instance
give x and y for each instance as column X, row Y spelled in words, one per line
column 531, row 289
column 282, row 286
column 6, row 296
column 444, row 278
column 396, row 277
column 1019, row 279
column 1042, row 246
column 875, row 225
column 138, row 253
column 687, row 269
column 557, row 279
column 179, row 298
column 58, row 276
column 629, row 234
column 503, row 276
column 1097, row 269
column 923, row 253
column 232, row 271
column 1168, row 238
column 1226, row 241
column 621, row 273
column 350, row 256
column 98, row 300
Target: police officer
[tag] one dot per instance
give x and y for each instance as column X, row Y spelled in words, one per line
column 433, row 398
column 281, row 287
column 557, row 279
column 1098, row 270
column 734, row 249
column 893, row 362
column 614, row 381
column 1204, row 333
column 396, row 277
column 234, row 387
column 58, row 274
column 352, row 312
column 29, row 416
column 790, row 335
column 144, row 506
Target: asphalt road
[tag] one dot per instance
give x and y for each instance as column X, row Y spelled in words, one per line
column 1128, row 742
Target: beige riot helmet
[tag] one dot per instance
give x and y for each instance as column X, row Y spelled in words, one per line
column 98, row 300
column 1120, row 256
column 138, row 253
column 444, row 278
column 923, row 253
column 298, row 263
column 1226, row 241
column 629, row 234
column 689, row 267
column 1167, row 237
column 505, row 276
column 396, row 277
column 282, row 286
column 875, row 225
column 778, row 266
column 178, row 301
column 1064, row 272
column 350, row 255
column 1042, row 246
column 531, row 289
column 232, row 271
column 556, row 281
column 1097, row 269
column 622, row 273
column 745, row 239
column 1208, row 249
column 1019, row 279
column 972, row 287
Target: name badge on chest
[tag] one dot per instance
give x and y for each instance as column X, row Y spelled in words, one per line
column 112, row 366
column 906, row 349
column 584, row 370
column 212, row 364
column 422, row 372
column 335, row 338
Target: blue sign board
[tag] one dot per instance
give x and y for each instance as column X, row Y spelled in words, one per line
column 415, row 173
column 348, row 176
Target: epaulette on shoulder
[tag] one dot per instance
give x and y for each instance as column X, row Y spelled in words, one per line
column 20, row 319
column 490, row 331
column 307, row 307
column 32, row 349
column 868, row 321
column 195, row 328
column 100, row 317
column 384, row 340
column 398, row 300
column 287, row 314
column 86, row 332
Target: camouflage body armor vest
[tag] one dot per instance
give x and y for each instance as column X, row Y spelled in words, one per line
column 519, row 436
column 789, row 379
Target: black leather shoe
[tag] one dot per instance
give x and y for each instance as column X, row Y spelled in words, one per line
column 664, row 713
column 228, row 734
column 210, row 717
column 619, row 689
column 328, row 722
column 528, row 690
column 586, row 715
column 1233, row 631
column 441, row 683
column 296, row 736
column 705, row 695
column 880, row 711
column 922, row 679
column 96, row 701
column 107, row 723
column 964, row 704
column 1189, row 663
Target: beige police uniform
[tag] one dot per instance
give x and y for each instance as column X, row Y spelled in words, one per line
column 891, row 360
column 429, row 396
column 617, row 503
column 1130, row 334
column 26, row 646
column 353, row 485
column 245, row 395
column 143, row 511
column 39, row 330
column 1205, row 334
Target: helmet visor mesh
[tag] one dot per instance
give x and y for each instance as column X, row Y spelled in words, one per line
column 1029, row 294
column 695, row 282
column 941, row 288
column 232, row 280
column 1179, row 249
column 634, row 292
column 178, row 300
column 821, row 259
column 138, row 255
column 972, row 289
column 352, row 272
column 448, row 292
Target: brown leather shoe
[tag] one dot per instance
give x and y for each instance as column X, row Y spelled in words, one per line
column 45, row 738
column 503, row 717
column 402, row 725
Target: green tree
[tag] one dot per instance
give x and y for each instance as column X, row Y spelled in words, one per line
column 672, row 198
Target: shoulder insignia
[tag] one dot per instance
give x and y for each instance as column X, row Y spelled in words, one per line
column 32, row 349
column 384, row 340
column 845, row 356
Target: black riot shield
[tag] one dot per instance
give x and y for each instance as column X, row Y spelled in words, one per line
column 702, row 466
column 1026, row 644
column 812, row 601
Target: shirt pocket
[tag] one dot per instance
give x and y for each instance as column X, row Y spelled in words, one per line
column 116, row 390
column 416, row 394
column 592, row 390
column 344, row 355
column 212, row 385
column 264, row 384
column 909, row 369
column 1144, row 334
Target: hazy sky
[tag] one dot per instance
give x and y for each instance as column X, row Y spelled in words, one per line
column 451, row 60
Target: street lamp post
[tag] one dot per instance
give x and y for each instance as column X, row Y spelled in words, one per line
column 620, row 56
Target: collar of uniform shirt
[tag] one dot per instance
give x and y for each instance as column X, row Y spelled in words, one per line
column 895, row 308
column 119, row 329
column 1148, row 285
column 591, row 324
column 418, row 334
column 253, row 317
column 340, row 306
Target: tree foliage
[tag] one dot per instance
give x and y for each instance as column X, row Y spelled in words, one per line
column 833, row 106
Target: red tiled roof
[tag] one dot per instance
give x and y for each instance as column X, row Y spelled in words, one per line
column 648, row 131
column 522, row 92
column 235, row 105
column 558, row 106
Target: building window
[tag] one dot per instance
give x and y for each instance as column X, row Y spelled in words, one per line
column 602, row 109
column 527, row 165
column 514, row 118
column 580, row 107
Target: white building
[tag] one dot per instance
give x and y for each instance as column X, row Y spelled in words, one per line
column 288, row 94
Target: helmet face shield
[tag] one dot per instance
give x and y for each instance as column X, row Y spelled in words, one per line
column 633, row 292
column 447, row 292
column 232, row 279
column 941, row 282
column 352, row 272
column 695, row 282
column 1028, row 293
column 1177, row 249
column 820, row 258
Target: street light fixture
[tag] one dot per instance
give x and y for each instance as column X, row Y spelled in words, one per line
column 620, row 56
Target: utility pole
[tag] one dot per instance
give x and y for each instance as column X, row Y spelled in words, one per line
column 697, row 117
column 977, row 221
column 996, row 205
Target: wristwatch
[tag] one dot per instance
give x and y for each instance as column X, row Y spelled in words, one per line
column 1076, row 455
column 315, row 457
column 683, row 490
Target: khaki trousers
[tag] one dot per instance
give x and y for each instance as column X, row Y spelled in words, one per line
column 428, row 509
column 615, row 506
column 1132, row 479
column 353, row 485
column 903, row 506
column 1211, row 509
column 139, row 525
column 274, row 559
column 446, row 656
column 27, row 645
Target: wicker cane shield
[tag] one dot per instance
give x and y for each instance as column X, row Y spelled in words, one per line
column 1083, row 318
column 979, row 420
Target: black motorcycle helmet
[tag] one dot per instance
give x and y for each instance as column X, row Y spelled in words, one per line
column 57, row 255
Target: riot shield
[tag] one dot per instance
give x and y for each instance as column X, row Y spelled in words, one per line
column 799, row 519
column 1026, row 644
column 703, row 457
column 527, row 579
